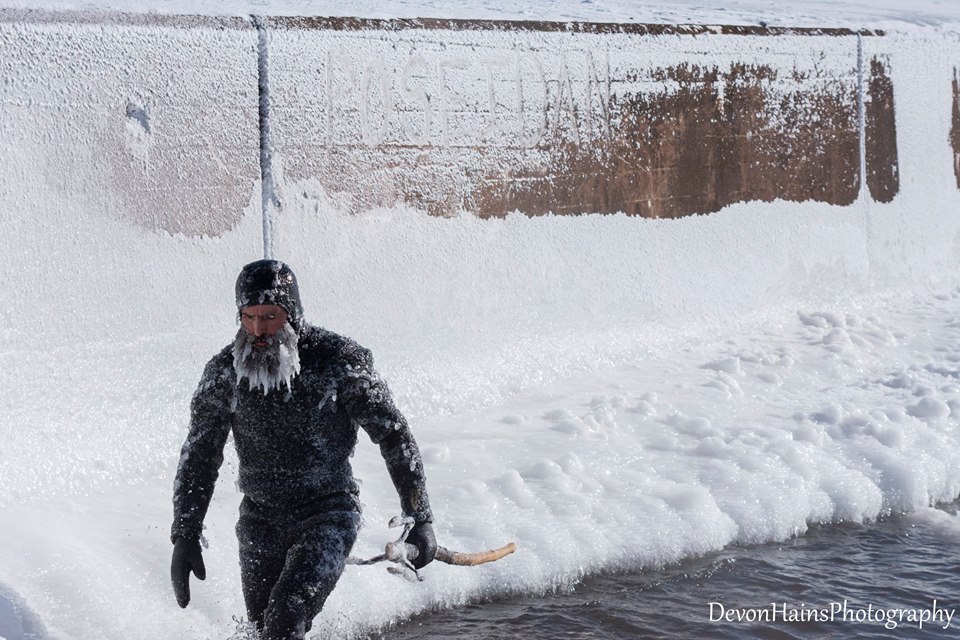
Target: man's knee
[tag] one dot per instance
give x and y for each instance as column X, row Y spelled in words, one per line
column 310, row 570
column 310, row 575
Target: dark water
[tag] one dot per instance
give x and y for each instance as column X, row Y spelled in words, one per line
column 896, row 563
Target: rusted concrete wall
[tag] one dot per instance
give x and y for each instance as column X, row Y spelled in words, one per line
column 159, row 114
column 882, row 163
column 955, row 125
column 490, row 118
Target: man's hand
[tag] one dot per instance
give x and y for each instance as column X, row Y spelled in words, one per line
column 421, row 536
column 187, row 558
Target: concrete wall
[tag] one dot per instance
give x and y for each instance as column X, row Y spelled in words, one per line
column 448, row 116
column 155, row 116
column 490, row 118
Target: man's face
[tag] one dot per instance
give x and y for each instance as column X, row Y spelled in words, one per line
column 262, row 321
column 265, row 351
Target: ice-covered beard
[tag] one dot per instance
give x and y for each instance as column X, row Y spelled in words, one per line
column 270, row 366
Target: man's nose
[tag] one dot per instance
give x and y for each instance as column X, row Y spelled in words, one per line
column 259, row 327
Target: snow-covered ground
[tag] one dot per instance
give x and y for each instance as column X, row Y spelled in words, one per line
column 606, row 392
column 717, row 437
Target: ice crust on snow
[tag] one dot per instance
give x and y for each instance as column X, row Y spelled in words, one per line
column 656, row 460
column 640, row 474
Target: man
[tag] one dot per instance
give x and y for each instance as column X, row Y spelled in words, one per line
column 294, row 396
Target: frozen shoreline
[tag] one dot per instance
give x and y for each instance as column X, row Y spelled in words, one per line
column 844, row 414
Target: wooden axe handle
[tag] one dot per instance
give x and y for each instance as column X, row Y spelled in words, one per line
column 472, row 559
column 458, row 558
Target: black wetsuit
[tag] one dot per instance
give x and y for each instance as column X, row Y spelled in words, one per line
column 300, row 512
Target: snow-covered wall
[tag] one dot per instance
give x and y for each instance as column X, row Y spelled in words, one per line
column 129, row 174
column 658, row 121
column 122, row 141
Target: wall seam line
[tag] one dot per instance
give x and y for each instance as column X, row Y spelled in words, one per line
column 268, row 193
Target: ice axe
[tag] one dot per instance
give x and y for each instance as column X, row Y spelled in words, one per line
column 402, row 553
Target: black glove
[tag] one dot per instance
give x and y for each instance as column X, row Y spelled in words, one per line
column 186, row 558
column 421, row 536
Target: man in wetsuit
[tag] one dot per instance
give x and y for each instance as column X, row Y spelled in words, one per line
column 294, row 396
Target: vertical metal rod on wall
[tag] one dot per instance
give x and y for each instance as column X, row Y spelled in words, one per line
column 861, row 118
column 268, row 193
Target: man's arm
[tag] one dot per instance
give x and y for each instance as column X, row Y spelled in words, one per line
column 370, row 405
column 202, row 454
column 405, row 465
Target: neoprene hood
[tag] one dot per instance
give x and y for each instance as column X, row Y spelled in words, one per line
column 270, row 282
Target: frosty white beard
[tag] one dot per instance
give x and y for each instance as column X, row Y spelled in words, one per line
column 267, row 367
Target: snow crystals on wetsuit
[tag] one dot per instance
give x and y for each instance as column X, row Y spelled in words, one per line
column 295, row 447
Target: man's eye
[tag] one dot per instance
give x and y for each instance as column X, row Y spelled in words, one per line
column 270, row 316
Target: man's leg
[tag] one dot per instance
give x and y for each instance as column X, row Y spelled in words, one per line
column 313, row 566
column 262, row 556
